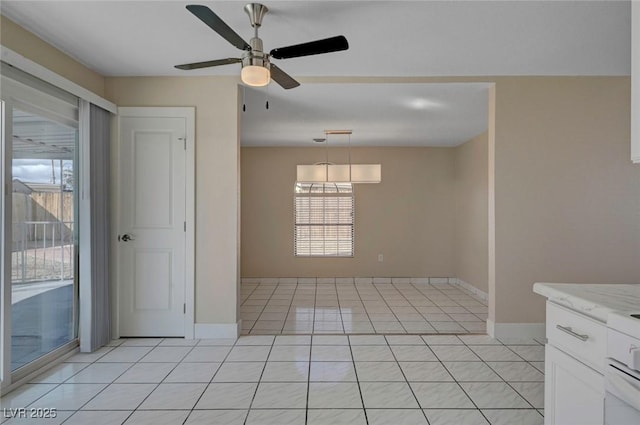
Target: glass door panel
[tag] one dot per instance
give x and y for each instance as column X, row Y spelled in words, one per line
column 43, row 245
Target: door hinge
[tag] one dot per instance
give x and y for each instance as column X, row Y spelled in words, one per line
column 185, row 226
column 184, row 309
column 184, row 140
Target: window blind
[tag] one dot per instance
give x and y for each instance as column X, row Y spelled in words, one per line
column 324, row 218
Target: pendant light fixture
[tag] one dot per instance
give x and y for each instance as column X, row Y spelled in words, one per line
column 327, row 172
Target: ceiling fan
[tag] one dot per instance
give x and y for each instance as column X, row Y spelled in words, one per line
column 257, row 69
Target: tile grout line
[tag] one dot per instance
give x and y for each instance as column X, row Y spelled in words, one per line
column 250, row 293
column 466, row 394
column 431, row 301
column 518, row 392
column 335, row 291
column 355, row 288
column 422, row 410
column 245, row 300
column 355, row 372
column 389, row 307
column 213, row 376
column 171, row 371
column 365, row 307
column 263, row 308
column 259, row 380
column 340, row 312
column 313, row 321
column 306, row 410
column 284, row 322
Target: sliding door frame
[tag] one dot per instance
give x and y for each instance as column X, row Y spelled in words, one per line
column 5, row 261
column 18, row 95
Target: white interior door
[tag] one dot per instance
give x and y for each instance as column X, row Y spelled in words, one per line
column 152, row 226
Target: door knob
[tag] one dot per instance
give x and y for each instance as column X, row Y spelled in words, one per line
column 127, row 237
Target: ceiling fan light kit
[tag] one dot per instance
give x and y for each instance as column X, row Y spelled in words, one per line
column 255, row 75
column 257, row 70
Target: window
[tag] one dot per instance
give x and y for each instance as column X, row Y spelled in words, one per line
column 323, row 219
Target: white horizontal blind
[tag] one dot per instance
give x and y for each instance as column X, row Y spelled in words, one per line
column 323, row 219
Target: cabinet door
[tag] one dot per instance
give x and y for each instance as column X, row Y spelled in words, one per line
column 574, row 393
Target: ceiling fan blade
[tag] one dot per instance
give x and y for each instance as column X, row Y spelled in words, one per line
column 282, row 78
column 206, row 64
column 328, row 45
column 207, row 16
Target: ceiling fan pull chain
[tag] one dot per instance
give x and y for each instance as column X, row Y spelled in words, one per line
column 267, row 102
column 244, row 105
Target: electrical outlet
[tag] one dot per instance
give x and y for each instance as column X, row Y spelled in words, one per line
column 380, row 258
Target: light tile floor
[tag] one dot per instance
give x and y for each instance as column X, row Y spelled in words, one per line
column 294, row 379
column 360, row 308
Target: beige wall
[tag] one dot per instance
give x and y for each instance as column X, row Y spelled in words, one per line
column 470, row 237
column 407, row 218
column 567, row 195
column 217, row 178
column 30, row 46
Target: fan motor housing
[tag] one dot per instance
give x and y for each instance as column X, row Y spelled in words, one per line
column 256, row 56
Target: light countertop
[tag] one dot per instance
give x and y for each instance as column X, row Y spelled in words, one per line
column 594, row 300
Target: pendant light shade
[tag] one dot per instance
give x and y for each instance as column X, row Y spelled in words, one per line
column 339, row 173
column 327, row 172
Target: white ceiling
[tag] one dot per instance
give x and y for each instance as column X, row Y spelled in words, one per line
column 378, row 114
column 387, row 38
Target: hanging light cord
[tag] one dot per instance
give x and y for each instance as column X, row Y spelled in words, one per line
column 349, row 156
column 326, row 167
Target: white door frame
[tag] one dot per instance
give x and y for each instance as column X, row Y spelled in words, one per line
column 188, row 113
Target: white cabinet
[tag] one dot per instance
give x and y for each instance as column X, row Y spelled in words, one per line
column 574, row 361
column 574, row 393
column 635, row 81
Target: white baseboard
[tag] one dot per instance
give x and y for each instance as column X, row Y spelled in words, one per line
column 348, row 280
column 469, row 287
column 218, row 330
column 515, row 330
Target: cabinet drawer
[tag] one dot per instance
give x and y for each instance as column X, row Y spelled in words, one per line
column 579, row 335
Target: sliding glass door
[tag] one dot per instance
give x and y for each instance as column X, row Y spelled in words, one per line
column 43, row 246
column 40, row 149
